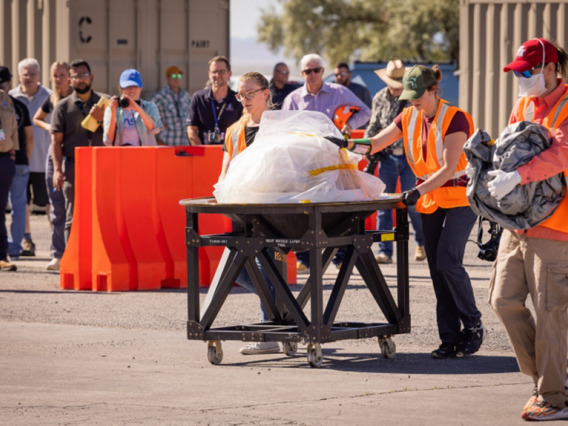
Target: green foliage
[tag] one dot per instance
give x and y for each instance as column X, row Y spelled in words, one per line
column 369, row 30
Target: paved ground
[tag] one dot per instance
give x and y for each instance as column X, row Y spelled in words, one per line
column 123, row 358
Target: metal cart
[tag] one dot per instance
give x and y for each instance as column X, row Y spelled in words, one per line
column 268, row 232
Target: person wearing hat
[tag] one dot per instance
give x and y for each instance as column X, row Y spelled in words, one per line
column 129, row 120
column 434, row 133
column 8, row 148
column 535, row 261
column 173, row 105
column 386, row 106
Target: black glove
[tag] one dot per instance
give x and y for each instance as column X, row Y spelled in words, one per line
column 340, row 142
column 409, row 198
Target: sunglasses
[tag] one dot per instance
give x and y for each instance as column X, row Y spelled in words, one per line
column 248, row 95
column 341, row 74
column 176, row 76
column 308, row 71
column 527, row 73
column 283, row 72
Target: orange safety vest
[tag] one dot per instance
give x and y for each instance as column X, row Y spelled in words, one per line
column 423, row 168
column 235, row 141
column 552, row 121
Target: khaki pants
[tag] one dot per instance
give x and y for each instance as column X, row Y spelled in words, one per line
column 537, row 267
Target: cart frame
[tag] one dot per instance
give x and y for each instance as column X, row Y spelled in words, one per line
column 268, row 232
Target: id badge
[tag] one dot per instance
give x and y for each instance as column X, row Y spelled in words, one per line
column 2, row 135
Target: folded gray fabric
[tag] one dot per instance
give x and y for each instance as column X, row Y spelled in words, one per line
column 527, row 205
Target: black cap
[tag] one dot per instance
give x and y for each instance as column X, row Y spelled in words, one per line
column 5, row 75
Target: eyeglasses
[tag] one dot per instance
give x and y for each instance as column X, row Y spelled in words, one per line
column 221, row 72
column 341, row 74
column 81, row 76
column 308, row 71
column 176, row 76
column 248, row 95
column 283, row 72
column 527, row 73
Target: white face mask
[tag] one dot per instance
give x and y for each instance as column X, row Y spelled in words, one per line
column 533, row 86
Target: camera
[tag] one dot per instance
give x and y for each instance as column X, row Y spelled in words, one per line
column 123, row 103
column 488, row 250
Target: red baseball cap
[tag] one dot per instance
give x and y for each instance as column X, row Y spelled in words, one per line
column 530, row 54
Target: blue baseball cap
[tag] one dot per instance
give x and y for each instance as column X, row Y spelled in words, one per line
column 130, row 77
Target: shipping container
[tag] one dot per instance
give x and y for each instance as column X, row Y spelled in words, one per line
column 113, row 35
column 490, row 34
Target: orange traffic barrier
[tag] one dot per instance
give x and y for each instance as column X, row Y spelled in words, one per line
column 75, row 267
column 128, row 231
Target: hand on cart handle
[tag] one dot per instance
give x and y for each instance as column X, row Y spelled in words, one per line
column 360, row 146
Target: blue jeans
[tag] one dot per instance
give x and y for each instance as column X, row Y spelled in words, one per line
column 391, row 168
column 7, row 172
column 56, row 213
column 244, row 281
column 446, row 232
column 18, row 199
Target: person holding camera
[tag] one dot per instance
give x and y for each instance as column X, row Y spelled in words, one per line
column 129, row 120
column 386, row 106
column 214, row 108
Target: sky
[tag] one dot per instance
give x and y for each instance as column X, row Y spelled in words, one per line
column 246, row 54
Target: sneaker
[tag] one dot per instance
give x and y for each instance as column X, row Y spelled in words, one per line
column 7, row 266
column 472, row 340
column 383, row 258
column 302, row 269
column 28, row 248
column 420, row 253
column 542, row 410
column 533, row 400
column 53, row 265
column 446, row 350
column 259, row 348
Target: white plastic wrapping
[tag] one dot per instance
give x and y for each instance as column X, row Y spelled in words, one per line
column 290, row 161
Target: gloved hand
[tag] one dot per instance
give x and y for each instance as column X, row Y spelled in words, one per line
column 410, row 197
column 503, row 182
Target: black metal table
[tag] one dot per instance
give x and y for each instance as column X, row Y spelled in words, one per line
column 321, row 228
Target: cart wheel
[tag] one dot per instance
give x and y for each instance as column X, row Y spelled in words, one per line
column 315, row 357
column 214, row 352
column 388, row 347
column 289, row 348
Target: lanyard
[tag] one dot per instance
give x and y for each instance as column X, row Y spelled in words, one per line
column 215, row 113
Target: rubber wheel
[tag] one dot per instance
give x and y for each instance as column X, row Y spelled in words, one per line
column 214, row 353
column 388, row 347
column 315, row 357
column 289, row 348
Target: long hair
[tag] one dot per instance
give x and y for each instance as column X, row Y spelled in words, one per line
column 55, row 95
column 562, row 65
column 261, row 80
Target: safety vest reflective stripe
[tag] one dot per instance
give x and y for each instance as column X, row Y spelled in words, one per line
column 235, row 141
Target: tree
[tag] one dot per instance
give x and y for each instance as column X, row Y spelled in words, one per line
column 370, row 30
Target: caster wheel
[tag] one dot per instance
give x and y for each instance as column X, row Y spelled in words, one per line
column 289, row 348
column 315, row 357
column 388, row 347
column 214, row 352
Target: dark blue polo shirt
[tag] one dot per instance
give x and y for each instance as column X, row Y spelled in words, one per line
column 203, row 109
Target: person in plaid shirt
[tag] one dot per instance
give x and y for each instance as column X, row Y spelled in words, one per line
column 173, row 104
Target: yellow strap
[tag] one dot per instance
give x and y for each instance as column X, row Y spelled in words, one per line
column 316, row 172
